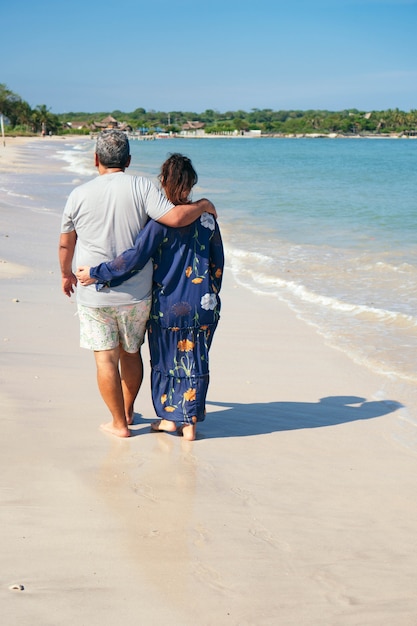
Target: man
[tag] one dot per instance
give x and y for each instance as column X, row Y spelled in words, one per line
column 102, row 219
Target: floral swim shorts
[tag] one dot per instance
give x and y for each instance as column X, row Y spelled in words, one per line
column 104, row 328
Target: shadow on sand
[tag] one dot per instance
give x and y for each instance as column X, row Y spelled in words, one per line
column 242, row 420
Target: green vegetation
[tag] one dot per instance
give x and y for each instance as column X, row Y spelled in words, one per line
column 21, row 119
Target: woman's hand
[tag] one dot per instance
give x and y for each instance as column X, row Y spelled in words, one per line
column 83, row 276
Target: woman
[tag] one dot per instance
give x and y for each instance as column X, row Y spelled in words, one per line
column 187, row 277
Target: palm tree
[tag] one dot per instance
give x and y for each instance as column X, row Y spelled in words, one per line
column 43, row 120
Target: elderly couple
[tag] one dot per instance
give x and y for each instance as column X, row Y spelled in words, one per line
column 163, row 275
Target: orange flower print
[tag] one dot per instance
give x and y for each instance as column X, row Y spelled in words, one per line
column 185, row 345
column 174, row 329
column 197, row 281
column 188, row 271
column 189, row 395
column 163, row 398
column 169, row 409
column 218, row 273
column 203, row 327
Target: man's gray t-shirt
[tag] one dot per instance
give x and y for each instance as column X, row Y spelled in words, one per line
column 107, row 214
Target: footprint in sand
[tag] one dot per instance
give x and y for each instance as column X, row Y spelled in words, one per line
column 335, row 591
column 210, row 577
column 264, row 535
column 145, row 491
column 244, row 494
column 202, row 535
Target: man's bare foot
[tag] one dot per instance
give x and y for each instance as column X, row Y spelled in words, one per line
column 118, row 432
column 188, row 431
column 163, row 426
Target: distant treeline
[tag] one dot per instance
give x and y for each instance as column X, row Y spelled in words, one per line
column 21, row 118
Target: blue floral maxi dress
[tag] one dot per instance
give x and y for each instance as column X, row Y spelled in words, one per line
column 187, row 277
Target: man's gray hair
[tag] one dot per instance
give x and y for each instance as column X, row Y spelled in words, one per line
column 112, row 148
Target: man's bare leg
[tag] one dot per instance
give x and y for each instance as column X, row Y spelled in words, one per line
column 131, row 371
column 110, row 386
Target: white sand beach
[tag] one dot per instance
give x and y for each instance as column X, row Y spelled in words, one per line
column 296, row 505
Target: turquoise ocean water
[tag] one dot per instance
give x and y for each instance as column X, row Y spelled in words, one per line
column 327, row 225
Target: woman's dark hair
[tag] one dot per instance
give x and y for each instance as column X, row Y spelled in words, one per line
column 177, row 178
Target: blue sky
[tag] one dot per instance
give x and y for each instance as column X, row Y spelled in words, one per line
column 224, row 55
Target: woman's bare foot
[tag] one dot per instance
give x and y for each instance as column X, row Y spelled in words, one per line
column 118, row 432
column 188, row 431
column 161, row 426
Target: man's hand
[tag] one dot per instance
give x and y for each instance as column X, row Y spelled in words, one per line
column 185, row 214
column 83, row 275
column 207, row 206
column 67, row 243
column 68, row 284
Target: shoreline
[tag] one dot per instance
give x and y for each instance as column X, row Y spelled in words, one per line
column 249, row 135
column 21, row 140
column 296, row 503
